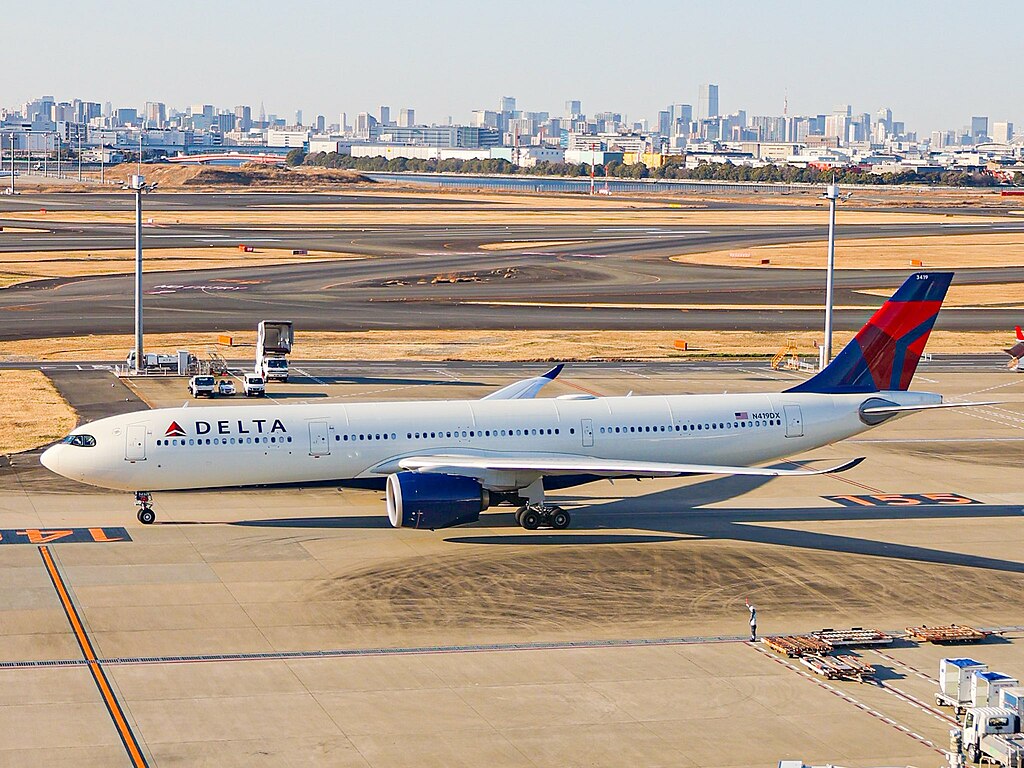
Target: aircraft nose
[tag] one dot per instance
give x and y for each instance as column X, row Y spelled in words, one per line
column 51, row 458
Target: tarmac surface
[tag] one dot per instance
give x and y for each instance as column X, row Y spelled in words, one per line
column 287, row 626
column 604, row 264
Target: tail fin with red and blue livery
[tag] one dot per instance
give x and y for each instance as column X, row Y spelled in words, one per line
column 884, row 354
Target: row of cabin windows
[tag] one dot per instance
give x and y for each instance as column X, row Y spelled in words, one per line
column 223, row 441
column 456, row 434
column 695, row 427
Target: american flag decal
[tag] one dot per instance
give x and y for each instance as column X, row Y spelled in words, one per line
column 743, row 415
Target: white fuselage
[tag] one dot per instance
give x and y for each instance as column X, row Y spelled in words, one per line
column 222, row 446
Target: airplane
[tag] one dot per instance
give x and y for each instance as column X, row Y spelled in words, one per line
column 1016, row 352
column 442, row 463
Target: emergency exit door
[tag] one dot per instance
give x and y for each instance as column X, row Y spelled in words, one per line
column 319, row 442
column 587, row 428
column 135, row 443
column 794, row 421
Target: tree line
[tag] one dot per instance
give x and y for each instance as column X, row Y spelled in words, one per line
column 674, row 169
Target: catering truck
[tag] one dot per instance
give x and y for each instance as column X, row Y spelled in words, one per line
column 274, row 340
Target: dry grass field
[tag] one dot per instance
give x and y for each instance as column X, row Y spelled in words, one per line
column 32, row 412
column 934, row 252
column 481, row 345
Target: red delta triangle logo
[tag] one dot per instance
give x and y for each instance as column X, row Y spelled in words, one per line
column 174, row 430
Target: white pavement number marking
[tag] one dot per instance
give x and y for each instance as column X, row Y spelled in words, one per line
column 850, row 699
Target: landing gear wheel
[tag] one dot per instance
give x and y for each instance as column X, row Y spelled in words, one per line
column 560, row 519
column 530, row 519
column 518, row 515
column 147, row 516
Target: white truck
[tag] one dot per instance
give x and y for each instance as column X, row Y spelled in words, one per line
column 253, row 385
column 990, row 734
column 274, row 369
column 956, row 678
column 199, row 386
column 274, row 340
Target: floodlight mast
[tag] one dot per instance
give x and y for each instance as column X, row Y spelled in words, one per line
column 832, row 195
column 138, row 186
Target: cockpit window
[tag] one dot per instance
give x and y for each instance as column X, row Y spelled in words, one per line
column 82, row 441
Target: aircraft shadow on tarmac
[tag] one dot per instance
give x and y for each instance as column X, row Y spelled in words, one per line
column 678, row 514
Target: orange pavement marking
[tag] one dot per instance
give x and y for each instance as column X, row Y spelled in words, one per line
column 113, row 706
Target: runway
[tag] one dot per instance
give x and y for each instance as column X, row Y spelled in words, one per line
column 578, row 277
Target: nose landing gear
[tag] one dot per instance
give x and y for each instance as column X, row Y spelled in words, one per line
column 144, row 501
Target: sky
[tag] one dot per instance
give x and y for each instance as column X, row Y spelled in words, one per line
column 933, row 63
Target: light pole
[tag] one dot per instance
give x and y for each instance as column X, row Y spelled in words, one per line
column 79, row 153
column 12, row 162
column 138, row 185
column 832, row 195
column 46, row 155
column 57, row 137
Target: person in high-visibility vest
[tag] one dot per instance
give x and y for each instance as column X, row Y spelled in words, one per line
column 753, row 621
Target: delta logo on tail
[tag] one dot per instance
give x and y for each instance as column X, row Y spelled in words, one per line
column 174, row 430
column 884, row 354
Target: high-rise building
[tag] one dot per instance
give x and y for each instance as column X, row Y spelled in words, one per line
column 837, row 126
column 573, row 109
column 243, row 118
column 508, row 104
column 665, row 122
column 343, row 122
column 680, row 118
column 366, row 125
column 156, row 114
column 406, row 118
column 707, row 101
column 320, row 124
column 979, row 128
column 298, row 117
column 485, row 118
column 385, row 115
column 1002, row 132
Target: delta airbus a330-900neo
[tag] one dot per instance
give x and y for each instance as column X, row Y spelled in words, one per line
column 444, row 462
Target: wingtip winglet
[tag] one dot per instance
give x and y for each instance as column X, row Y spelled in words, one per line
column 553, row 373
column 848, row 465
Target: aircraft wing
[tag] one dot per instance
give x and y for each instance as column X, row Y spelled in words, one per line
column 1017, row 350
column 563, row 464
column 527, row 388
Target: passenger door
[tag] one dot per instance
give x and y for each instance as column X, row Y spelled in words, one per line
column 794, row 421
column 135, row 443
column 587, row 428
column 319, row 440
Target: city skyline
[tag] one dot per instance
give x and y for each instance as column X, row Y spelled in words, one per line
column 462, row 57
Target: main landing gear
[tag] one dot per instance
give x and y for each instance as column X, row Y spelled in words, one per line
column 533, row 516
column 144, row 501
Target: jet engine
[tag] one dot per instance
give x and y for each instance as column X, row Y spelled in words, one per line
column 432, row 501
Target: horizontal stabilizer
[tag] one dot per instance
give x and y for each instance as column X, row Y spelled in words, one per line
column 562, row 464
column 883, row 409
column 527, row 388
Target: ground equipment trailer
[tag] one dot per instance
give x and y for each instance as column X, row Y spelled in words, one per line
column 955, row 680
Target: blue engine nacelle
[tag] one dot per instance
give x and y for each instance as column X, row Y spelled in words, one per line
column 434, row 501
